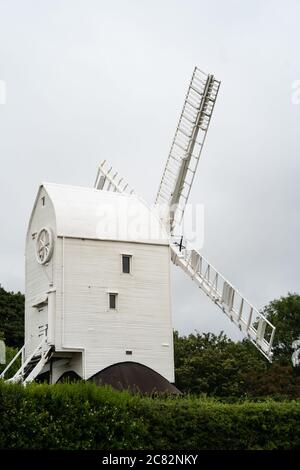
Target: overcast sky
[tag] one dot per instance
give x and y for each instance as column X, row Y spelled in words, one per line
column 88, row 80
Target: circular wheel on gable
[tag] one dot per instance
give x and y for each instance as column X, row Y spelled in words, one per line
column 44, row 245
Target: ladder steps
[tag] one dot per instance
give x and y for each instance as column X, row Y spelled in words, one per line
column 34, row 363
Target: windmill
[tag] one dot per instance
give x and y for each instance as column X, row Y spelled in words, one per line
column 172, row 197
column 97, row 295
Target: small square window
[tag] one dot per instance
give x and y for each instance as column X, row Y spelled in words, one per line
column 126, row 262
column 113, row 301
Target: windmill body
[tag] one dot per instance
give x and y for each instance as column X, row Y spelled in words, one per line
column 98, row 266
column 102, row 297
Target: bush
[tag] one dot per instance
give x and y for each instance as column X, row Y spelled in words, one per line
column 10, row 354
column 12, row 317
column 84, row 416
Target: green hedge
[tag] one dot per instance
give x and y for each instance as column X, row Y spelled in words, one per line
column 84, row 416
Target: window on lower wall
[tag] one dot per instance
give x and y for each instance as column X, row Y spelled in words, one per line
column 112, row 299
column 126, row 262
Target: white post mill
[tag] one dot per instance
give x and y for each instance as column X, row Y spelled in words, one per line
column 97, row 282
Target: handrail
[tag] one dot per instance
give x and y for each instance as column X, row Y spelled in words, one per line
column 2, row 375
column 20, row 371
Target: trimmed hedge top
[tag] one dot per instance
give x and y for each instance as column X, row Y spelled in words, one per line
column 84, row 416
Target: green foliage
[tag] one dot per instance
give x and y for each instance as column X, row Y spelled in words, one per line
column 216, row 366
column 279, row 380
column 10, row 354
column 12, row 317
column 84, row 416
column 284, row 313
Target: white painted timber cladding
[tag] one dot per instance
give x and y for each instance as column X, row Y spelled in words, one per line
column 142, row 321
column 83, row 271
column 38, row 278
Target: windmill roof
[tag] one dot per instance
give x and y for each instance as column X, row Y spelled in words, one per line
column 90, row 213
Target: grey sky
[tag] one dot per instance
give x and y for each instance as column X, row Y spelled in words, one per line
column 88, row 80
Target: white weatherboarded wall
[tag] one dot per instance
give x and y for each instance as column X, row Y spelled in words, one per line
column 89, row 270
column 38, row 278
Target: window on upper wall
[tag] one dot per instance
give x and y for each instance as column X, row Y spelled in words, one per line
column 112, row 301
column 126, row 264
column 43, row 199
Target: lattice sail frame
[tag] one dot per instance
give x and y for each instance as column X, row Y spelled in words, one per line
column 179, row 172
column 109, row 180
column 242, row 313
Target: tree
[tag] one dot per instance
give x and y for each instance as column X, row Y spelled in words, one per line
column 278, row 380
column 284, row 313
column 215, row 365
column 12, row 317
